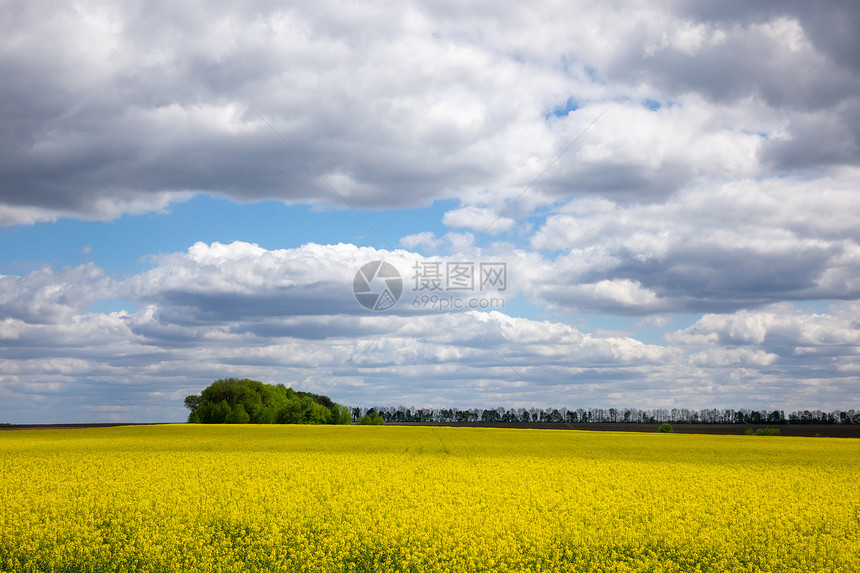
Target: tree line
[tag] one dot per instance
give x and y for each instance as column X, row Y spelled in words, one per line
column 244, row 401
column 608, row 415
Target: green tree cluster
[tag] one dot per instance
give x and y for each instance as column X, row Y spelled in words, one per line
column 243, row 401
column 763, row 432
column 371, row 419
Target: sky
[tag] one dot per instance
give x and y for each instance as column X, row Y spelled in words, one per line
column 429, row 204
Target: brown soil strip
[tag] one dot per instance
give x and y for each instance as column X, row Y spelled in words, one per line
column 802, row 430
column 66, row 426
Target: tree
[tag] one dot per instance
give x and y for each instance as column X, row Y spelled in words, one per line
column 193, row 402
column 215, row 413
column 343, row 415
column 371, row 419
column 238, row 415
column 665, row 428
column 490, row 416
column 242, row 401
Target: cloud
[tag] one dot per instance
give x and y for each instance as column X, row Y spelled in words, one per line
column 425, row 239
column 218, row 310
column 452, row 243
column 397, row 106
column 286, row 322
column 165, row 102
column 719, row 177
column 782, row 329
column 721, row 247
column 829, row 31
column 49, row 296
column 762, row 351
column 216, row 282
column 478, row 219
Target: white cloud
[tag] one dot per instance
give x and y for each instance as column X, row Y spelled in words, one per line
column 730, row 357
column 50, row 296
column 219, row 310
column 721, row 179
column 401, row 105
column 623, row 293
column 715, row 246
column 478, row 219
column 425, row 239
column 782, row 328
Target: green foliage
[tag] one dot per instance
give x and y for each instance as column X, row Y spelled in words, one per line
column 243, row 401
column 371, row 419
column 343, row 415
column 767, row 432
column 665, row 428
column 764, row 432
column 238, row 415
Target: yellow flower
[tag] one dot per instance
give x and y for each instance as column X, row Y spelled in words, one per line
column 319, row 499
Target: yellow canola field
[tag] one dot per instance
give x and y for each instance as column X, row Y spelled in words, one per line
column 359, row 498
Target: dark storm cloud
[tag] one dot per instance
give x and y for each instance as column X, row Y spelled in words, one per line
column 128, row 102
column 832, row 26
column 745, row 61
column 128, row 108
column 800, row 58
column 819, row 139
